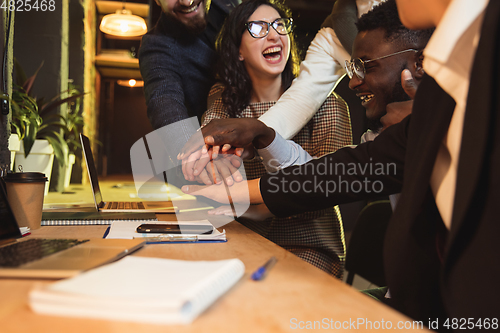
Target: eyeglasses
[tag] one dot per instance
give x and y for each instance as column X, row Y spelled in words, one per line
column 357, row 66
column 260, row 29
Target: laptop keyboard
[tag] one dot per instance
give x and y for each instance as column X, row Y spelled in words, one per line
column 20, row 253
column 125, row 205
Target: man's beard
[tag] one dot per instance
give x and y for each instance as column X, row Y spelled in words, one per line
column 398, row 94
column 196, row 25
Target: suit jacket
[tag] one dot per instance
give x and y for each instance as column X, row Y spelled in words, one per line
column 432, row 273
column 178, row 68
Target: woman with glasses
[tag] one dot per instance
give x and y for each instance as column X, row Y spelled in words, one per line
column 258, row 62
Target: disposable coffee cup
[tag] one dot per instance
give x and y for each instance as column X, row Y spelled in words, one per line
column 25, row 192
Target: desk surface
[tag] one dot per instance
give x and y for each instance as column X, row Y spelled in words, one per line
column 294, row 295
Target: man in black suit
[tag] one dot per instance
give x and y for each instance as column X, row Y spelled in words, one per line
column 442, row 246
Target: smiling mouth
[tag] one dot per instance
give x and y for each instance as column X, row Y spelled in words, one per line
column 366, row 98
column 272, row 53
column 190, row 9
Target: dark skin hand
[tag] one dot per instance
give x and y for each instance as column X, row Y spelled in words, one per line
column 237, row 135
column 397, row 111
column 235, row 132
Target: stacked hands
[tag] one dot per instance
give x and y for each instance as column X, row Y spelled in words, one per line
column 215, row 158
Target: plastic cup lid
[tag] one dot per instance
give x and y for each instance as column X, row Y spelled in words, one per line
column 25, row 177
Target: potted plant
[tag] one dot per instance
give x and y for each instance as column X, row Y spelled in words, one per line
column 43, row 133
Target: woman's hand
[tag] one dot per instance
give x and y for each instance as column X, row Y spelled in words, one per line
column 207, row 170
column 244, row 192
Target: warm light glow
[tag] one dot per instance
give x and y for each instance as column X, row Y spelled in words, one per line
column 124, row 24
column 130, row 83
column 124, row 27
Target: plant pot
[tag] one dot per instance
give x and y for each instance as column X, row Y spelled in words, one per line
column 14, row 145
column 40, row 159
column 69, row 169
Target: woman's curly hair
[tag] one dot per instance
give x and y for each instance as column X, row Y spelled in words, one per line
column 231, row 71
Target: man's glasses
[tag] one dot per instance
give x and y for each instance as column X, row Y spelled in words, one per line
column 357, row 66
column 260, row 29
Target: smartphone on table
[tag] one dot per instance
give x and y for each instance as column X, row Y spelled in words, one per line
column 190, row 229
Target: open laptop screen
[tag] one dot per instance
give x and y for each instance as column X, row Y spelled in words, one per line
column 89, row 159
column 8, row 226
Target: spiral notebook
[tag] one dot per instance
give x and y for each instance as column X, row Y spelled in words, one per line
column 148, row 290
column 93, row 218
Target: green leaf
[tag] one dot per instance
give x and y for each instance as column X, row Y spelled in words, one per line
column 29, row 137
column 28, row 84
column 58, row 102
column 50, row 129
column 60, row 147
column 17, row 130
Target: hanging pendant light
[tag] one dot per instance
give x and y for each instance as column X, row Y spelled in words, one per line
column 123, row 23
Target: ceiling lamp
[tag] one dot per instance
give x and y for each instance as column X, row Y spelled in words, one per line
column 123, row 24
column 131, row 83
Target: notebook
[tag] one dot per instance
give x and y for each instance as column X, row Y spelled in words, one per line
column 149, row 206
column 148, row 290
column 79, row 257
column 93, row 218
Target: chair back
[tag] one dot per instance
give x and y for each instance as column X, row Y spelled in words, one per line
column 364, row 255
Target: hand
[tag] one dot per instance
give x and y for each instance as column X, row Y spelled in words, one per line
column 196, row 167
column 194, row 164
column 225, row 167
column 397, row 111
column 244, row 192
column 222, row 210
column 231, row 133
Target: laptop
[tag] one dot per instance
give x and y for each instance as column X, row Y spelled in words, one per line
column 114, row 206
column 52, row 258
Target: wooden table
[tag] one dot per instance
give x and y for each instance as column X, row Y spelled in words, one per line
column 294, row 295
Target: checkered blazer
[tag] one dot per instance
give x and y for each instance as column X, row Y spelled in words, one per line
column 317, row 237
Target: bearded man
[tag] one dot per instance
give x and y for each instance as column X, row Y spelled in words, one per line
column 176, row 60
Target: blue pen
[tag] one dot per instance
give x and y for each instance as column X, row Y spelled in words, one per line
column 262, row 271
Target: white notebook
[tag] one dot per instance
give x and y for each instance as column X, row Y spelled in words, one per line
column 140, row 289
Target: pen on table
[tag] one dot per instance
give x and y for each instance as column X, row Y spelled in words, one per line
column 262, row 271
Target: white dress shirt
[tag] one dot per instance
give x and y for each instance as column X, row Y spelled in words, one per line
column 448, row 59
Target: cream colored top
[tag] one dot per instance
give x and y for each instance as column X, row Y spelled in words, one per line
column 448, row 59
column 319, row 72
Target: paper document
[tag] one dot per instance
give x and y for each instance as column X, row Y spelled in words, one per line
column 140, row 289
column 127, row 230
